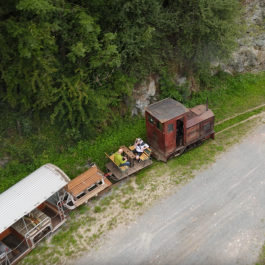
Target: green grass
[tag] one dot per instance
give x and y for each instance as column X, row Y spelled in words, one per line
column 97, row 209
column 238, row 119
column 261, row 260
column 234, row 95
column 226, row 98
column 83, row 209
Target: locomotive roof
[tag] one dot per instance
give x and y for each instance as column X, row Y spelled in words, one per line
column 166, row 109
column 30, row 192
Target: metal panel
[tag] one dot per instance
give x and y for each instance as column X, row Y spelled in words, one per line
column 166, row 109
column 193, row 133
column 198, row 110
column 170, row 137
column 198, row 119
column 30, row 192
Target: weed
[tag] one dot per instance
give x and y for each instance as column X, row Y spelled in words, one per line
column 55, row 260
column 115, row 188
column 126, row 203
column 127, row 189
column 97, row 209
column 141, row 187
column 69, row 253
column 72, row 214
column 107, row 201
column 83, row 209
column 112, row 223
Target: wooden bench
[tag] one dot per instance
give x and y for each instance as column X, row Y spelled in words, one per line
column 84, row 181
column 145, row 155
column 122, row 169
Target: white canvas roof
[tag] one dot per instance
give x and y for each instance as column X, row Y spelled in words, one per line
column 30, row 192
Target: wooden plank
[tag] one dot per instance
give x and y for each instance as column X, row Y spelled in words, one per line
column 82, row 178
column 86, row 184
column 137, row 166
column 128, row 152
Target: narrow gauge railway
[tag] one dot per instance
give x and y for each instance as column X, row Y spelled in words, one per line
column 41, row 202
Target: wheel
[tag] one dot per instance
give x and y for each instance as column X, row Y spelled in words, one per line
column 200, row 142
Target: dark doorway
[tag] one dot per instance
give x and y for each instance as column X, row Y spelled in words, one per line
column 55, row 217
column 18, row 247
column 180, row 132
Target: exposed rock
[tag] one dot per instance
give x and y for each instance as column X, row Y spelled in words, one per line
column 194, row 86
column 145, row 93
column 228, row 72
column 4, row 161
column 250, row 57
column 251, row 52
column 180, row 80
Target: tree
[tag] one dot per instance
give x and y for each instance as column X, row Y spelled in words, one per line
column 80, row 59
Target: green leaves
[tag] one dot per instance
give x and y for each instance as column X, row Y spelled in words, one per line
column 36, row 6
column 80, row 60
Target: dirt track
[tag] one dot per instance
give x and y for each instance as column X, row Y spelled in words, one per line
column 218, row 218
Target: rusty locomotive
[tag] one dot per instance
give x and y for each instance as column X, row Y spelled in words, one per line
column 172, row 129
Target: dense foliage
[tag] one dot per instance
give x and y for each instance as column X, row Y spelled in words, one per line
column 77, row 61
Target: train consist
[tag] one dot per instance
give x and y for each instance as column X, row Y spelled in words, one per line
column 40, row 203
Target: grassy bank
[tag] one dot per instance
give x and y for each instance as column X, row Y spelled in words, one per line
column 227, row 97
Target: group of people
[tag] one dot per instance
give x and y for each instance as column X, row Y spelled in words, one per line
column 139, row 146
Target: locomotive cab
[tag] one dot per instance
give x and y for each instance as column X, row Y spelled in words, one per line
column 171, row 128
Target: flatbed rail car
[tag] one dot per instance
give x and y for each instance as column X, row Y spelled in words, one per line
column 172, row 129
column 84, row 187
column 118, row 173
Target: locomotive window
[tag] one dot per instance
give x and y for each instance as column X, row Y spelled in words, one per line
column 170, row 128
column 159, row 126
column 151, row 120
column 206, row 127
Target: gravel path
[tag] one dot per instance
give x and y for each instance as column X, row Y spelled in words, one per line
column 218, row 218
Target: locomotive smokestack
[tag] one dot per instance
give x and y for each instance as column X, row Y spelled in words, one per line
column 207, row 104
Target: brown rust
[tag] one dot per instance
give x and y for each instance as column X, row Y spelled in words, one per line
column 166, row 109
column 171, row 127
column 199, row 118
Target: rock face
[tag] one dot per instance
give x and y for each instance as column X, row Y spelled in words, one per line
column 4, row 161
column 145, row 93
column 250, row 56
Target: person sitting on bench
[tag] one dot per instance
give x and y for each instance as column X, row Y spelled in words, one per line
column 120, row 160
column 140, row 146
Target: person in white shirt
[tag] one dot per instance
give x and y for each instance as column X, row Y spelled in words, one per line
column 139, row 146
